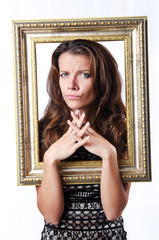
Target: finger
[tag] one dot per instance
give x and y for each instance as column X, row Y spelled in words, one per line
column 81, row 143
column 74, row 121
column 78, row 118
column 91, row 130
column 79, row 132
column 75, row 115
column 81, row 120
column 78, row 113
column 75, row 118
column 75, row 137
column 83, row 131
column 70, row 129
column 73, row 127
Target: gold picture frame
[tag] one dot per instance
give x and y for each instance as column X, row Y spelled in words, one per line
column 34, row 38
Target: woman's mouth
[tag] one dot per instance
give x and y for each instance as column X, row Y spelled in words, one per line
column 73, row 97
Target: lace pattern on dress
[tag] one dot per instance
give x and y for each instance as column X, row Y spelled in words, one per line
column 84, row 217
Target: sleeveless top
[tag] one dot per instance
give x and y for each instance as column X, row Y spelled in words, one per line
column 83, row 217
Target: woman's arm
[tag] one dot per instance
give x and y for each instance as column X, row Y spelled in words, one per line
column 50, row 199
column 114, row 194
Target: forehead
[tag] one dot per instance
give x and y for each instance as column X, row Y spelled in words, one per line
column 69, row 60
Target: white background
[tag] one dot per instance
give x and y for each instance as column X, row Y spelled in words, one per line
column 19, row 216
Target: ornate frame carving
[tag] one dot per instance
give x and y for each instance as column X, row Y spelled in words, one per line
column 132, row 31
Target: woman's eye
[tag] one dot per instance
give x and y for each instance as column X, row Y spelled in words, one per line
column 86, row 75
column 63, row 75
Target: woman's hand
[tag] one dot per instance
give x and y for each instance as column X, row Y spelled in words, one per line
column 67, row 145
column 98, row 145
column 95, row 144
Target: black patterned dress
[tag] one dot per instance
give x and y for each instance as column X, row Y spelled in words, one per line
column 83, row 217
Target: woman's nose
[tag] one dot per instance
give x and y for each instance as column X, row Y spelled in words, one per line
column 72, row 83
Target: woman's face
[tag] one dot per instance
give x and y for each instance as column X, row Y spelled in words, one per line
column 75, row 81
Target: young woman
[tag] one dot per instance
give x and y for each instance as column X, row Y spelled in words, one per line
column 84, row 119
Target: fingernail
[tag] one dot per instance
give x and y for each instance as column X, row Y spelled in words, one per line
column 68, row 121
column 72, row 114
column 77, row 111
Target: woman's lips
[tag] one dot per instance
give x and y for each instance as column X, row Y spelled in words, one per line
column 73, row 97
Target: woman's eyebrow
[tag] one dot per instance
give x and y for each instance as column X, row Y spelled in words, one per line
column 81, row 70
column 84, row 70
column 63, row 71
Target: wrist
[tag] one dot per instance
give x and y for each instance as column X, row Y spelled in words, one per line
column 110, row 164
column 109, row 155
column 50, row 159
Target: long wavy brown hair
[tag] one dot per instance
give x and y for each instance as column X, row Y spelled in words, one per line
column 109, row 119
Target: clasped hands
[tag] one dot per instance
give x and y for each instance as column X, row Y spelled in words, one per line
column 78, row 128
column 79, row 134
column 90, row 139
